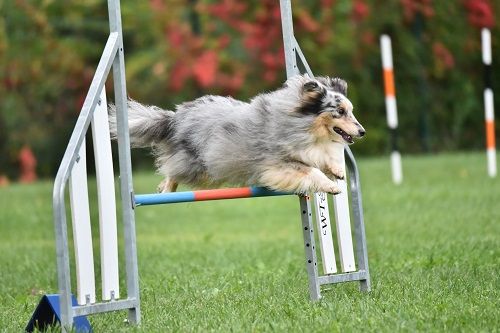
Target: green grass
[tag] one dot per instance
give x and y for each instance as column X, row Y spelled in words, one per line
column 433, row 242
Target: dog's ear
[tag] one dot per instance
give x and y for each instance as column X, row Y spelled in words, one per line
column 312, row 97
column 339, row 85
column 310, row 86
column 313, row 89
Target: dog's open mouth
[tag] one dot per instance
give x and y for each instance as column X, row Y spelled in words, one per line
column 344, row 135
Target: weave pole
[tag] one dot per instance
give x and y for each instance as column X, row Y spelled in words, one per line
column 391, row 107
column 489, row 112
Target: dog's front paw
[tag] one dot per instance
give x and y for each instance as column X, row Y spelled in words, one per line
column 331, row 188
column 338, row 172
column 334, row 190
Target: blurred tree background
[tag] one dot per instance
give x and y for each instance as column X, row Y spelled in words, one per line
column 176, row 50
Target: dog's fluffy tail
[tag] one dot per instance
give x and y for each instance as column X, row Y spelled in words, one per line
column 148, row 125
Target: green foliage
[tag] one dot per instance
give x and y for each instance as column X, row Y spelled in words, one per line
column 178, row 50
column 238, row 265
column 47, row 66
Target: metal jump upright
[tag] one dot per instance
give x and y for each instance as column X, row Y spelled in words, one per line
column 94, row 111
column 293, row 55
column 112, row 56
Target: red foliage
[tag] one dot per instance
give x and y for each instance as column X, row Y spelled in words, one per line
column 4, row 181
column 480, row 13
column 360, row 10
column 259, row 37
column 157, row 5
column 27, row 164
column 368, row 38
column 194, row 60
column 307, row 22
column 205, row 68
column 412, row 7
column 231, row 83
column 223, row 41
column 326, row 4
column 178, row 76
column 176, row 36
column 12, row 79
column 228, row 10
column 443, row 55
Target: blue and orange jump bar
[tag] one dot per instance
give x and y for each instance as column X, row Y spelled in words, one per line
column 205, row 195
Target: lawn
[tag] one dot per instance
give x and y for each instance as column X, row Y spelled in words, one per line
column 238, row 265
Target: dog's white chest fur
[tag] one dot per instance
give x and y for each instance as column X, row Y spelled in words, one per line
column 323, row 156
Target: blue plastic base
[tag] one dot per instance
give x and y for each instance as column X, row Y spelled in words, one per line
column 48, row 313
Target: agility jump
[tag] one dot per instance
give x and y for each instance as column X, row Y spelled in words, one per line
column 70, row 311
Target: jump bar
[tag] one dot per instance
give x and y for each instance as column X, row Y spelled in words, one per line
column 205, row 195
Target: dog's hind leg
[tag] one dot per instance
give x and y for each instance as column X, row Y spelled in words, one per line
column 167, row 185
column 298, row 178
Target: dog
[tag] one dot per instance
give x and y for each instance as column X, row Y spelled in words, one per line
column 291, row 139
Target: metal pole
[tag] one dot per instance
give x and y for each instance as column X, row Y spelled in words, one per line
column 126, row 186
column 305, row 207
column 309, row 248
column 62, row 253
column 68, row 160
column 288, row 39
column 359, row 224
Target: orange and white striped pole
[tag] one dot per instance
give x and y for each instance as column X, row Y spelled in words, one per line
column 489, row 112
column 391, row 107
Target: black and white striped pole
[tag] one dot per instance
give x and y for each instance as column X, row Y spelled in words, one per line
column 489, row 112
column 391, row 107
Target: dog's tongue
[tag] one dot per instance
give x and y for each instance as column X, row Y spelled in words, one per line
column 344, row 135
column 347, row 138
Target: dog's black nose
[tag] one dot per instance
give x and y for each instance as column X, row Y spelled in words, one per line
column 362, row 133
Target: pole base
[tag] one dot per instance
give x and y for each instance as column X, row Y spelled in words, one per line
column 48, row 314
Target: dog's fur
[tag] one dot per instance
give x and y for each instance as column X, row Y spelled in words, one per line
column 291, row 139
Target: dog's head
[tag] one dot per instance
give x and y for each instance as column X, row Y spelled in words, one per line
column 325, row 99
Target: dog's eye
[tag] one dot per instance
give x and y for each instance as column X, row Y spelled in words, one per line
column 341, row 111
